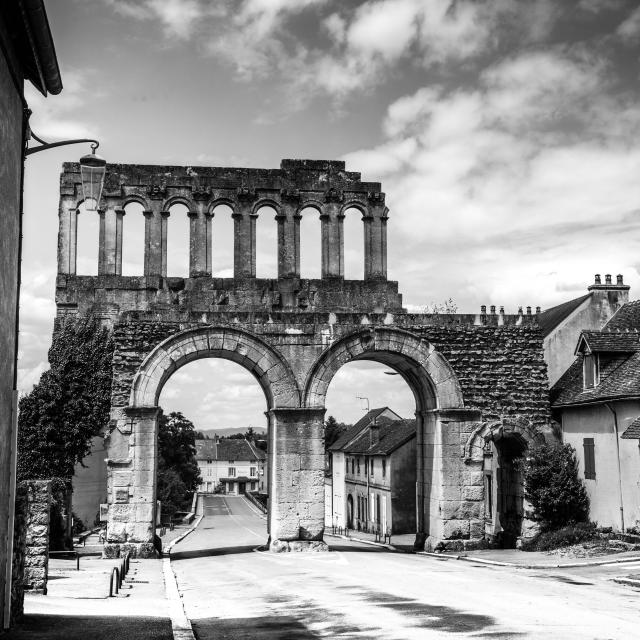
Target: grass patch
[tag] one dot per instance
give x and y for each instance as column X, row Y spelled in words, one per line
column 563, row 537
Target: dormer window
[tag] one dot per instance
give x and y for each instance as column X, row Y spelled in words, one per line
column 591, row 370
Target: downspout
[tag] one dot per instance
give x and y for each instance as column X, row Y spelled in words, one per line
column 615, row 426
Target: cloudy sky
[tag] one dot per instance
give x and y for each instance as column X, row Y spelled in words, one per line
column 504, row 132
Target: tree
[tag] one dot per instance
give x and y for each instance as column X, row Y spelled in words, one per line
column 553, row 487
column 178, row 473
column 69, row 405
column 333, row 430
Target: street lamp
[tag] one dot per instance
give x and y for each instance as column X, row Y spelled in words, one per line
column 92, row 168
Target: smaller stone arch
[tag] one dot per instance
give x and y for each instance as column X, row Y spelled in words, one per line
column 268, row 367
column 178, row 199
column 520, row 428
column 134, row 197
column 310, row 204
column 355, row 204
column 232, row 204
column 428, row 374
column 266, row 202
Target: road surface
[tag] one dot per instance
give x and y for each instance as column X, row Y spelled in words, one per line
column 233, row 591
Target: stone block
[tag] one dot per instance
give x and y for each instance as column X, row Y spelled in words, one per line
column 475, row 492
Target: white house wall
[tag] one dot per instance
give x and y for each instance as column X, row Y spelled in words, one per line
column 597, row 422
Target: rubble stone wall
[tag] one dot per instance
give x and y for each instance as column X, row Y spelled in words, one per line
column 36, row 555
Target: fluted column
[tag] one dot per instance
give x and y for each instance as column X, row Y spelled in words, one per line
column 288, row 243
column 244, row 248
column 199, row 241
column 332, row 241
column 67, row 235
column 110, row 255
column 154, row 248
column 375, row 244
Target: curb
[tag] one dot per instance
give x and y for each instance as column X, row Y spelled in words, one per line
column 497, row 563
column 390, row 547
column 630, row 582
column 180, row 623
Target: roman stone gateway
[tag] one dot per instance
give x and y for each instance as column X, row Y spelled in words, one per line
column 292, row 334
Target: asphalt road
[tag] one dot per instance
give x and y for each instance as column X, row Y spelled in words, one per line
column 231, row 590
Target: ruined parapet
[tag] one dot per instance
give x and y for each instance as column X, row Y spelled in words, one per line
column 34, row 500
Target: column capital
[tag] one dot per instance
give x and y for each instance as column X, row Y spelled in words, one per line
column 297, row 412
column 165, row 214
column 192, row 214
column 147, row 214
column 143, row 413
column 120, row 212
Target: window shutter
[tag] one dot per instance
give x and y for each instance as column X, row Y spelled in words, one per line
column 589, row 459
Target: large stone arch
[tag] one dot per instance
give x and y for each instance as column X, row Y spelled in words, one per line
column 428, row 374
column 238, row 345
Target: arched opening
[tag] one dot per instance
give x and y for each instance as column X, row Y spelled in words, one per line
column 353, row 232
column 227, row 408
column 373, row 456
column 87, row 241
column 222, row 242
column 503, row 487
column 266, row 243
column 178, row 241
column 133, row 240
column 310, row 243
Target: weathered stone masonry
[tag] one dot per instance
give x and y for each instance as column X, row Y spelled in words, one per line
column 468, row 373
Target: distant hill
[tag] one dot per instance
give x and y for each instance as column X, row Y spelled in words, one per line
column 228, row 432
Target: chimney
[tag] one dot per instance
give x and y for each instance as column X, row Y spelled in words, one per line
column 619, row 279
column 528, row 311
column 374, row 433
column 483, row 309
column 501, row 310
column 538, row 309
column 607, row 278
column 493, row 309
column 519, row 311
column 597, row 279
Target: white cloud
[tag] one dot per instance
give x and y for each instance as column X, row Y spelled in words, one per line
column 629, row 30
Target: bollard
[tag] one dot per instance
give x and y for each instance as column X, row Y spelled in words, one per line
column 117, row 582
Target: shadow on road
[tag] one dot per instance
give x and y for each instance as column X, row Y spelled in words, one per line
column 209, row 553
column 68, row 627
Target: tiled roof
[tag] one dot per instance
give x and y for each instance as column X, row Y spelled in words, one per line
column 611, row 341
column 619, row 378
column 549, row 319
column 632, row 432
column 392, row 434
column 353, row 431
column 227, row 449
column 627, row 317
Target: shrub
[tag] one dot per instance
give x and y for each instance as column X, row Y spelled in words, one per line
column 563, row 537
column 553, row 487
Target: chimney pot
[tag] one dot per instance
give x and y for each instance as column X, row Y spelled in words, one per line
column 483, row 309
column 619, row 279
column 597, row 280
column 519, row 311
column 538, row 309
column 607, row 278
column 528, row 311
column 501, row 309
column 493, row 309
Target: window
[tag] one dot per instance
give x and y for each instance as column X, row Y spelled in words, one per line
column 358, row 467
column 209, row 461
column 591, row 371
column 253, row 471
column 353, row 462
column 589, row 459
column 232, row 472
column 232, row 461
column 488, row 495
column 371, row 465
column 384, row 467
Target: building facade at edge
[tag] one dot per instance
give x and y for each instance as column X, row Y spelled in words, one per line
column 597, row 402
column 26, row 53
column 372, row 475
column 231, row 466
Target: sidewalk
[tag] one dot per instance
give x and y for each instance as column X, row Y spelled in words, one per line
column 402, row 542
column 78, row 605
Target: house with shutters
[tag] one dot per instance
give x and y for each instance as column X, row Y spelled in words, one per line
column 372, row 481
column 597, row 402
column 231, row 466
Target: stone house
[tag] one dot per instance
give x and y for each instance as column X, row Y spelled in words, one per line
column 373, row 475
column 597, row 402
column 237, row 465
column 26, row 53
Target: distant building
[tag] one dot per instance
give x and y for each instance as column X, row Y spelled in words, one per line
column 26, row 53
column 597, row 401
column 231, row 466
column 372, row 481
